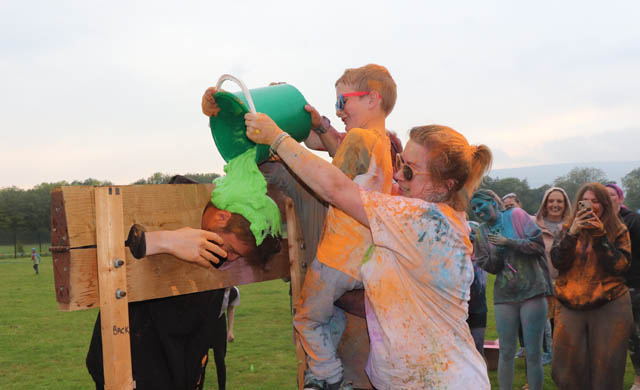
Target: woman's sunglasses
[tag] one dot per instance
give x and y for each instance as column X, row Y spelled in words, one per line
column 407, row 171
column 341, row 99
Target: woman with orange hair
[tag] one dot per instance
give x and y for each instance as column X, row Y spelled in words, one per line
column 418, row 271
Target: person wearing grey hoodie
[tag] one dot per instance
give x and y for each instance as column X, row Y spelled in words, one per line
column 553, row 211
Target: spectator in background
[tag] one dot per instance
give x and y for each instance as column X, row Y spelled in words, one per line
column 553, row 211
column 593, row 319
column 509, row 244
column 477, row 319
column 511, row 200
column 35, row 257
column 632, row 220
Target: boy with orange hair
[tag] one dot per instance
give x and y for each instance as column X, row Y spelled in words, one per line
column 365, row 96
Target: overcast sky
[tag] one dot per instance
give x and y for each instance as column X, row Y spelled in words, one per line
column 111, row 89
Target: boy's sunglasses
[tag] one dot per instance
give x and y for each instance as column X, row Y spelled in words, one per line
column 407, row 171
column 341, row 101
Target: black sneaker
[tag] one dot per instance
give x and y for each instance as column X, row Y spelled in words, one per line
column 314, row 384
column 340, row 385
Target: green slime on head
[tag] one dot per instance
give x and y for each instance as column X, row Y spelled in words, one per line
column 243, row 190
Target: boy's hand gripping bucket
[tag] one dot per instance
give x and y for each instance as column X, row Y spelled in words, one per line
column 283, row 103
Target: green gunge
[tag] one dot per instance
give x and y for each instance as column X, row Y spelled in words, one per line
column 243, row 190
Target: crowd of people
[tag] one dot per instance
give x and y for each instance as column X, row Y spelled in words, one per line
column 569, row 272
column 393, row 221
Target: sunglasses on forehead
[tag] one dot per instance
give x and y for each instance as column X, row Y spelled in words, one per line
column 406, row 170
column 341, row 101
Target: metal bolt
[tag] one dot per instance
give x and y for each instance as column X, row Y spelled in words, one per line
column 61, row 288
column 64, row 238
column 302, row 245
column 120, row 294
column 57, row 209
column 65, row 269
column 118, row 263
column 55, row 259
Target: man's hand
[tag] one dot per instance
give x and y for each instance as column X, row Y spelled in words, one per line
column 261, row 129
column 209, row 106
column 188, row 244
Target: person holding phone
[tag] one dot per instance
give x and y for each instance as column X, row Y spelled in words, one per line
column 593, row 319
column 509, row 244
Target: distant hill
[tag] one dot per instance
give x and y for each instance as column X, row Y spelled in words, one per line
column 540, row 175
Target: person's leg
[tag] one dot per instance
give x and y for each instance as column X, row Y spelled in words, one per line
column 634, row 340
column 478, row 339
column 507, row 324
column 316, row 323
column 533, row 316
column 220, row 350
column 477, row 325
column 570, row 368
column 609, row 327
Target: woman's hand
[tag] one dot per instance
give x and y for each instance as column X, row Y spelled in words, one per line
column 594, row 225
column 497, row 239
column 209, row 106
column 261, row 129
column 586, row 220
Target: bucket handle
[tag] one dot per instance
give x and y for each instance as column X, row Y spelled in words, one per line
column 244, row 88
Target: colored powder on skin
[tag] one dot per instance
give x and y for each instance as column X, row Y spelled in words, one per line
column 367, row 254
column 243, row 190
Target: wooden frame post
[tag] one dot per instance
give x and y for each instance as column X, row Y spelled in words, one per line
column 295, row 240
column 112, row 286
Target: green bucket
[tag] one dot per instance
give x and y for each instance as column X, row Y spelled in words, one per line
column 283, row 103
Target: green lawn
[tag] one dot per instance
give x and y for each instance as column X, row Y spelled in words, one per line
column 42, row 348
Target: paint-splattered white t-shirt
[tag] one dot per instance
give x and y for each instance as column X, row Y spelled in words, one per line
column 417, row 287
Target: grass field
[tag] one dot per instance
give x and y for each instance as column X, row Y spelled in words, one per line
column 6, row 251
column 42, row 348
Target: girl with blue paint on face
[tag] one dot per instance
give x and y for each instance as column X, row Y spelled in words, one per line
column 509, row 244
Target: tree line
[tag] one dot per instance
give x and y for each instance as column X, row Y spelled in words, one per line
column 29, row 210
column 571, row 183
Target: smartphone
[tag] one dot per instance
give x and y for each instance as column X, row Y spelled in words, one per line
column 585, row 204
column 221, row 260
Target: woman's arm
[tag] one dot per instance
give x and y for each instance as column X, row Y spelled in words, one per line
column 563, row 251
column 615, row 259
column 488, row 257
column 532, row 243
column 326, row 180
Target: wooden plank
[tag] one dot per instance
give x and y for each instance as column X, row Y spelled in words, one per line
column 112, row 280
column 296, row 256
column 59, row 247
column 157, row 207
column 162, row 276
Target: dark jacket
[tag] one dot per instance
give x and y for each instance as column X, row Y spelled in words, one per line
column 170, row 338
column 632, row 220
